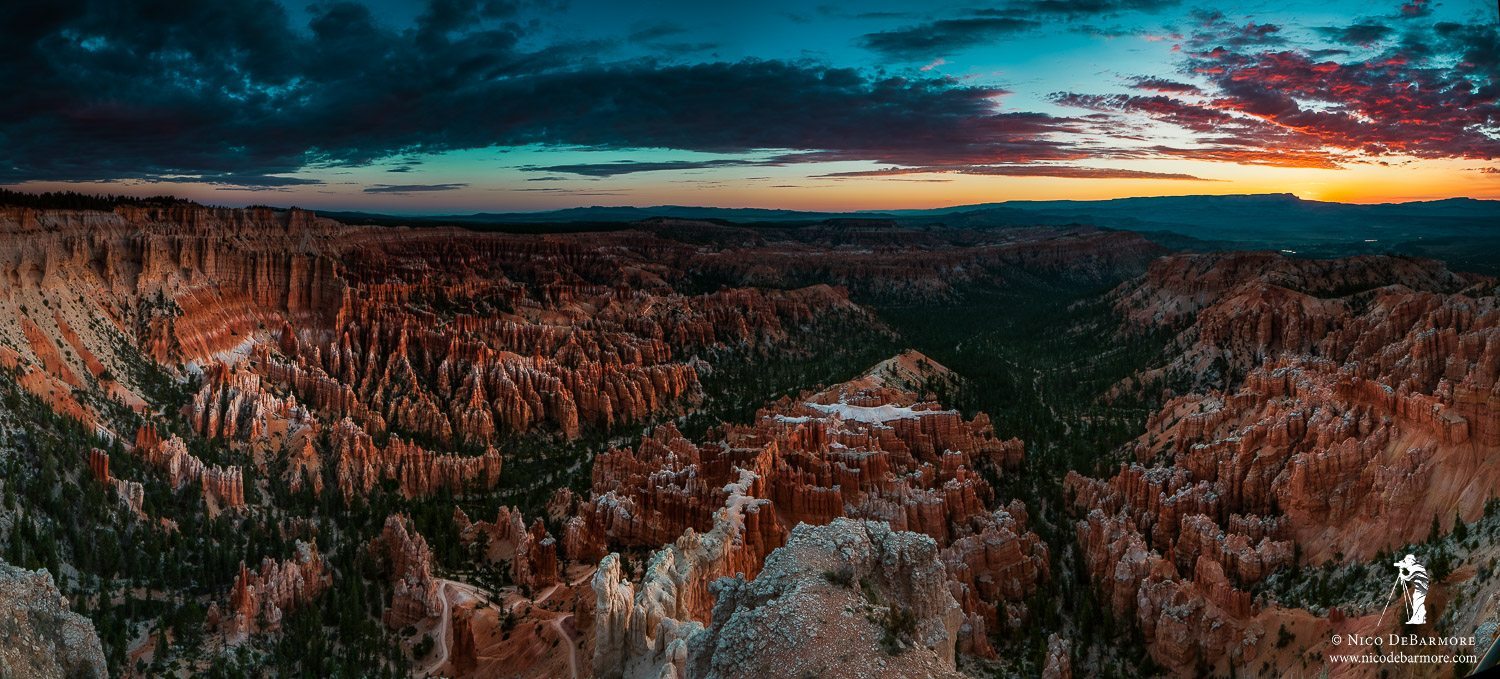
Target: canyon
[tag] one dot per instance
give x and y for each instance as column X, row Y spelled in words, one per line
column 683, row 448
column 1357, row 409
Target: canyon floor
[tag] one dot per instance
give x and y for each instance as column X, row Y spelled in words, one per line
column 262, row 442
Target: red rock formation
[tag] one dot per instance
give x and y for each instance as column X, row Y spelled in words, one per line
column 1059, row 663
column 1174, row 289
column 361, row 465
column 132, row 496
column 1366, row 410
column 99, row 465
column 861, row 450
column 531, row 553
column 407, row 562
column 223, row 487
column 463, row 655
column 261, row 597
column 234, row 404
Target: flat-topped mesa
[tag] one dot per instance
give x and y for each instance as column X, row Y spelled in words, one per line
column 858, row 450
column 259, row 598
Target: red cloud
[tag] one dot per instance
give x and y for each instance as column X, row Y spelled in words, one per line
column 1027, row 170
column 1434, row 97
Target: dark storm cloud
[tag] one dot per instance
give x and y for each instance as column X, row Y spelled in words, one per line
column 656, row 31
column 1090, row 7
column 1361, row 34
column 1154, row 84
column 1214, row 30
column 231, row 91
column 928, row 40
column 937, row 38
column 413, row 188
column 629, row 166
column 1027, row 170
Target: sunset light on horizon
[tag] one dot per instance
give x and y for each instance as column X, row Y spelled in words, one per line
column 393, row 106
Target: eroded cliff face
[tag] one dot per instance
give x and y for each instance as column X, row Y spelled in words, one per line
column 862, row 449
column 447, row 337
column 1363, row 417
column 42, row 637
column 223, row 488
column 1231, row 312
column 184, row 285
column 883, row 611
column 846, row 599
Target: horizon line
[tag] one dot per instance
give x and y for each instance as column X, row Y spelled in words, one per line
column 856, row 211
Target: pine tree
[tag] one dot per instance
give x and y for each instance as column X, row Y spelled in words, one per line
column 162, row 647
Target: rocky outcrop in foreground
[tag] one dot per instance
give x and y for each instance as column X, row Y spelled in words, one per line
column 864, row 449
column 39, row 636
column 847, row 599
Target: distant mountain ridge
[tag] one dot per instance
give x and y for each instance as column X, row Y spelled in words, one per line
column 1134, row 207
column 1463, row 231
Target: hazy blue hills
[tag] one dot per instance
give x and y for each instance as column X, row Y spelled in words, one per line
column 1463, row 231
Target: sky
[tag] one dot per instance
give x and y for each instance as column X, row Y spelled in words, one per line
column 460, row 106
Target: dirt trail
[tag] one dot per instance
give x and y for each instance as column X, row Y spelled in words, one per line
column 444, row 627
column 448, row 589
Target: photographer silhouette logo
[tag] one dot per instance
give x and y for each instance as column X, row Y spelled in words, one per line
column 1412, row 579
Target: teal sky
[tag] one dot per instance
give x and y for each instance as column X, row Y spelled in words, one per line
column 478, row 105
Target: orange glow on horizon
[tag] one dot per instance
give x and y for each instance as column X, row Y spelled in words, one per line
column 1367, row 183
